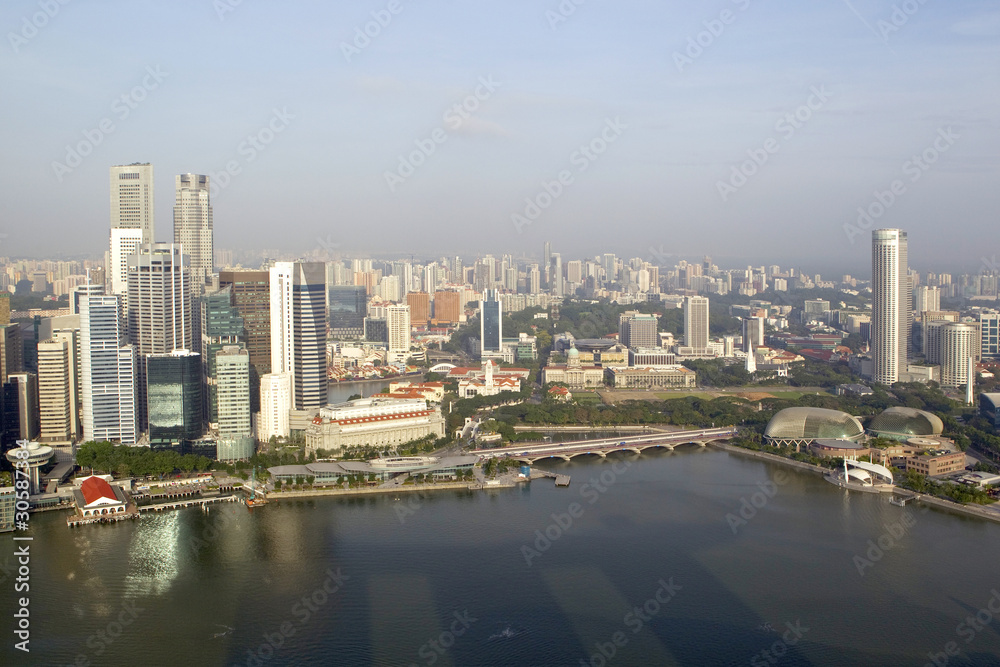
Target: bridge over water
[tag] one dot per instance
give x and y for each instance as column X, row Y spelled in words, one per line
column 634, row 444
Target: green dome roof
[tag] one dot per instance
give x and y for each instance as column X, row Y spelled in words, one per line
column 812, row 423
column 906, row 422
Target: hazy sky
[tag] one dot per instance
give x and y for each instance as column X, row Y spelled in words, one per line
column 200, row 77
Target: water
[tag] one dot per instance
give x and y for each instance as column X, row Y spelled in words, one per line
column 341, row 391
column 204, row 589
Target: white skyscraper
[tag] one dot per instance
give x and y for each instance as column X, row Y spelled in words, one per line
column 959, row 344
column 890, row 331
column 298, row 330
column 926, row 298
column 275, row 404
column 159, row 300
column 108, row 372
column 132, row 204
column 124, row 242
column 696, row 322
column 398, row 323
column 193, row 226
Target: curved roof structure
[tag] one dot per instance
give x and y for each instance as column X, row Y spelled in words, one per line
column 94, row 489
column 594, row 344
column 905, row 423
column 807, row 424
column 878, row 470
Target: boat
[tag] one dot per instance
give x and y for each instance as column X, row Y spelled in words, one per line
column 253, row 500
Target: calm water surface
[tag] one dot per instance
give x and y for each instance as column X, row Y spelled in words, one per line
column 452, row 568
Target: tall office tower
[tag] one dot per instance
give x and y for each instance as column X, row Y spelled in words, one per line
column 251, row 293
column 389, row 289
column 696, row 322
column 20, row 398
column 574, row 271
column 490, row 322
column 610, row 264
column 56, row 394
column 275, row 404
column 447, row 307
column 132, row 204
column 420, row 308
column 66, row 329
column 347, row 305
column 456, row 269
column 960, row 341
column 430, row 278
column 890, row 305
column 11, row 351
column 376, row 330
column 298, row 330
column 193, row 227
column 926, row 298
column 236, row 438
column 335, row 273
column 547, row 263
column 753, row 333
column 173, row 398
column 221, row 326
column 638, row 330
column 398, row 323
column 510, row 278
column 159, row 300
column 556, row 275
column 534, row 279
column 108, row 371
column 4, row 308
column 124, row 243
column 989, row 326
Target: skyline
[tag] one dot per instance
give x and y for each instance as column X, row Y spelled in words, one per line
column 673, row 129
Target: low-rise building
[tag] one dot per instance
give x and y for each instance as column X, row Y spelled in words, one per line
column 936, row 462
column 652, row 377
column 337, row 472
column 95, row 496
column 573, row 373
column 376, row 421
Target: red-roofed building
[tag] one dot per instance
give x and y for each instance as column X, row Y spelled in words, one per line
column 96, row 496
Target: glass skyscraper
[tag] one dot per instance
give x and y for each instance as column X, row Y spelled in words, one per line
column 173, row 398
column 348, row 306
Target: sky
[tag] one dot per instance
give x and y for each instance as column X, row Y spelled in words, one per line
column 741, row 129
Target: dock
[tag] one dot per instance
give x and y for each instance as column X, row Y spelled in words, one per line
column 562, row 480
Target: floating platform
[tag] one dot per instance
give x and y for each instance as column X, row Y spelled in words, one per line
column 562, row 480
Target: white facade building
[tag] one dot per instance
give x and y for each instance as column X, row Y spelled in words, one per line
column 890, row 331
column 275, row 404
column 124, row 242
column 108, row 372
column 132, row 203
column 193, row 226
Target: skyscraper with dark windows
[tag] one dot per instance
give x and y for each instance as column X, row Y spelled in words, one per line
column 491, row 322
column 348, row 305
column 298, row 330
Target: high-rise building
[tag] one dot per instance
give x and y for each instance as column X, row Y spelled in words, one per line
column 193, row 227
column 298, row 330
column 107, row 372
column 377, row 330
column 221, row 326
column 398, row 324
column 926, row 298
column 251, row 294
column 159, row 300
column 891, row 300
column 490, row 322
column 124, row 243
column 347, row 305
column 132, row 203
column 753, row 333
column 173, row 398
column 11, row 351
column 547, row 263
column 56, row 393
column 420, row 307
column 534, row 280
column 989, row 325
column 556, row 275
column 236, row 438
column 20, row 399
column 447, row 306
column 275, row 405
column 696, row 332
column 960, row 341
column 638, row 330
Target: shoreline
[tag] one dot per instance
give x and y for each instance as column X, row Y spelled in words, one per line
column 939, row 503
column 409, row 488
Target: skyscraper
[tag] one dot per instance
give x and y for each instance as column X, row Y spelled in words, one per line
column 173, row 398
column 696, row 322
column 556, row 275
column 275, row 404
column 221, row 326
column 490, row 322
column 251, row 294
column 132, row 204
column 298, row 330
column 56, row 394
column 447, row 306
column 398, row 324
column 107, row 372
column 753, row 333
column 891, row 300
column 124, row 243
column 193, row 227
column 236, row 439
column 638, row 330
column 960, row 341
column 348, row 305
column 420, row 307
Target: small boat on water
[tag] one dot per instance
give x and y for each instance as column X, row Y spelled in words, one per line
column 899, row 502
